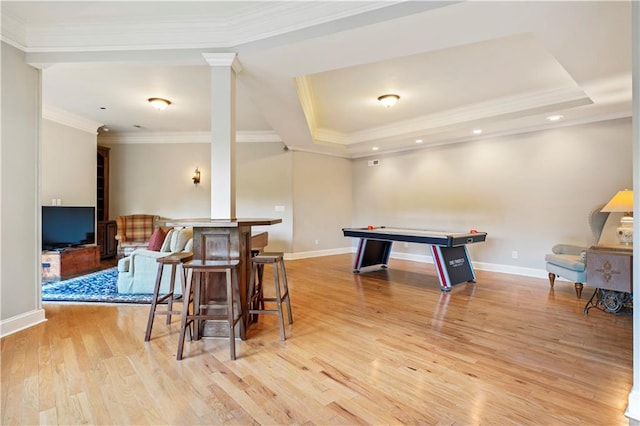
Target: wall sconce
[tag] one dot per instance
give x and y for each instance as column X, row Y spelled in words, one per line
column 196, row 177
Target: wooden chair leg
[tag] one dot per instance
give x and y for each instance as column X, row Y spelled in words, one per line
column 171, row 291
column 276, row 279
column 185, row 313
column 154, row 303
column 579, row 287
column 552, row 279
column 286, row 291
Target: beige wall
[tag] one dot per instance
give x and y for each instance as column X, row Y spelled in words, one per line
column 322, row 202
column 156, row 179
column 68, row 165
column 20, row 304
column 264, row 181
column 526, row 191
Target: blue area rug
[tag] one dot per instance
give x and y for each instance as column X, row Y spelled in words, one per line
column 97, row 287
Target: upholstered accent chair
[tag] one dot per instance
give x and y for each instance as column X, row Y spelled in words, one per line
column 137, row 272
column 569, row 261
column 134, row 232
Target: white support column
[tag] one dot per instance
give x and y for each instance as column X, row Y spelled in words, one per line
column 224, row 67
column 633, row 406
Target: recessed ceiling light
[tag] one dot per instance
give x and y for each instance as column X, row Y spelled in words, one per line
column 418, row 140
column 375, row 148
column 477, row 131
column 555, row 117
column 159, row 103
column 388, row 100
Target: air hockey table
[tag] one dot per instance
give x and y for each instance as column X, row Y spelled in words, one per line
column 449, row 250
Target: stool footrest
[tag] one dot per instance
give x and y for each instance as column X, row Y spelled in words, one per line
column 167, row 312
column 264, row 311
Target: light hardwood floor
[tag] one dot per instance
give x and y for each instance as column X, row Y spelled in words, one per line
column 386, row 347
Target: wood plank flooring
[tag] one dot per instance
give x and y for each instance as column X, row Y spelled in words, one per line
column 385, row 347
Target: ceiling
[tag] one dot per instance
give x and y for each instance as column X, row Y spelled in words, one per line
column 312, row 71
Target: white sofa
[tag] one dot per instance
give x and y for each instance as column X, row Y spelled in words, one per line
column 137, row 272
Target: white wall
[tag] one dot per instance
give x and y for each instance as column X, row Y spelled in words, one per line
column 20, row 304
column 68, row 165
column 526, row 191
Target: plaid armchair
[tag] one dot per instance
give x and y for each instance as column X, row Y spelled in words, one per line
column 134, row 231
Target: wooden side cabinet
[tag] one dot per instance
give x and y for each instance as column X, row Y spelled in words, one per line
column 610, row 271
column 609, row 267
column 106, row 234
column 60, row 265
column 102, row 184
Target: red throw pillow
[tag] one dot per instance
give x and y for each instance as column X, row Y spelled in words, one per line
column 157, row 238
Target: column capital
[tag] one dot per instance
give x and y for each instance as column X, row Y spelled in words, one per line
column 222, row 60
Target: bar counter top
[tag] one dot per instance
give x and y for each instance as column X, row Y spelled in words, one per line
column 222, row 223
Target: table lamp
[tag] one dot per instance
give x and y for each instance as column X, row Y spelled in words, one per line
column 623, row 202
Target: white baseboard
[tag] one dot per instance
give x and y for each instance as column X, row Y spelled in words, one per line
column 317, row 253
column 480, row 266
column 21, row 322
column 633, row 409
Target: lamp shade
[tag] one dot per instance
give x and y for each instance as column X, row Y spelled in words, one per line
column 621, row 202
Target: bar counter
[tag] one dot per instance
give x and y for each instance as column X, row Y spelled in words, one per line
column 219, row 239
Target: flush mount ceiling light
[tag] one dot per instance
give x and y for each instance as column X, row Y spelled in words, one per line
column 159, row 103
column 388, row 100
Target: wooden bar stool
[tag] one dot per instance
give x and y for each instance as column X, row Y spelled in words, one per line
column 174, row 261
column 196, row 272
column 256, row 297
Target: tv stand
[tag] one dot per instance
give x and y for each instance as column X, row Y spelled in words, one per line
column 72, row 261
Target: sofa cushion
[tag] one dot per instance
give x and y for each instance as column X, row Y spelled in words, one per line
column 127, row 248
column 166, row 244
column 180, row 238
column 566, row 261
column 157, row 239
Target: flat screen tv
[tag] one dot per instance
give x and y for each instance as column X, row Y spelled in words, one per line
column 67, row 226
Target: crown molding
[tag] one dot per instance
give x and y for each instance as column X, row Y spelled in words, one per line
column 331, row 136
column 13, row 32
column 522, row 130
column 256, row 21
column 305, row 95
column 68, row 119
column 223, row 60
column 187, row 137
column 549, row 99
